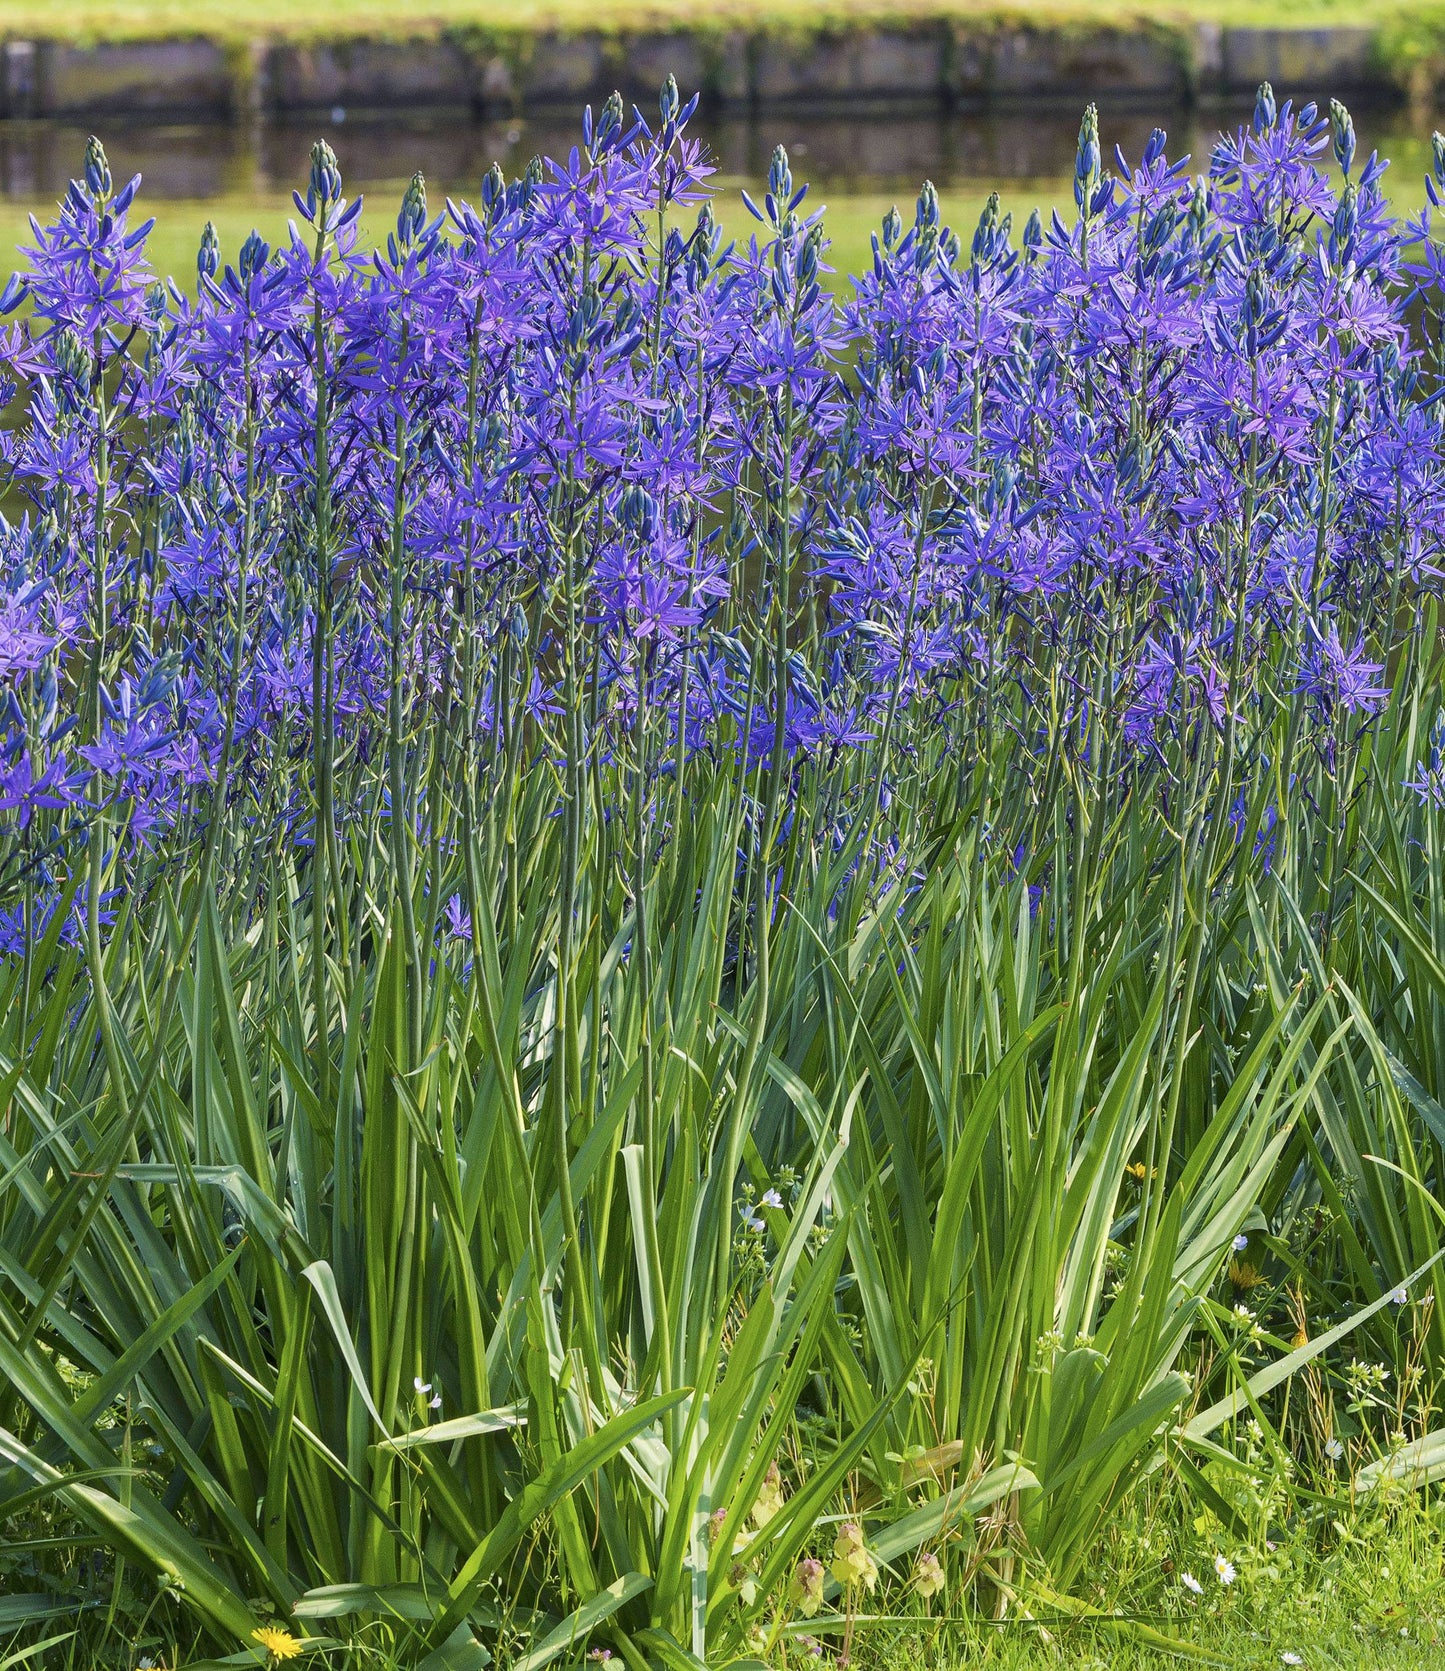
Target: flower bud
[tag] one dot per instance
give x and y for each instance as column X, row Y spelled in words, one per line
column 1255, row 298
column 1342, row 133
column 325, row 175
column 609, row 126
column 412, row 218
column 494, row 190
column 639, row 511
column 255, row 252
column 97, row 170
column 1199, row 209
column 1437, row 157
column 1346, row 215
column 987, row 225
column 1265, row 112
column 780, row 177
column 208, row 257
column 808, row 255
column 1088, row 164
column 669, row 101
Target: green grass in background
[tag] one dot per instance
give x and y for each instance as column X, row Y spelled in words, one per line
column 240, row 19
column 172, row 246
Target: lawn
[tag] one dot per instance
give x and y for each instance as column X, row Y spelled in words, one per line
column 852, row 219
column 332, row 19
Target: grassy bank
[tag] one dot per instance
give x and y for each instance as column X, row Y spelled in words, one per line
column 333, row 19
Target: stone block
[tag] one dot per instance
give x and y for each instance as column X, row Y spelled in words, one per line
column 1320, row 62
column 1108, row 64
column 882, row 66
column 1206, row 65
column 637, row 66
column 968, row 66
column 494, row 85
column 19, row 79
column 367, row 75
column 181, row 77
column 561, row 69
column 729, row 74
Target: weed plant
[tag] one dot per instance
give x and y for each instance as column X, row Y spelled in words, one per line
column 683, row 964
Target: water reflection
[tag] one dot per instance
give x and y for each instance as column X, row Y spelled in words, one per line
column 874, row 153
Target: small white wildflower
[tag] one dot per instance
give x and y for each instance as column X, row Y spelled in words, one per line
column 1400, row 1297
column 1334, row 1449
column 1291, row 1659
column 420, row 1385
column 771, row 1198
column 1190, row 1582
column 435, row 1403
column 1241, row 1242
column 1224, row 1569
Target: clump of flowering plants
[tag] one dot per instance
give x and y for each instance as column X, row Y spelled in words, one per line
column 647, row 913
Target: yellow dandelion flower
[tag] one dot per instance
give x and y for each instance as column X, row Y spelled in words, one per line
column 279, row 1644
column 1243, row 1275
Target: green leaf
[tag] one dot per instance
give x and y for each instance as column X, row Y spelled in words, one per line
column 459, row 1427
column 1421, row 1462
column 575, row 1626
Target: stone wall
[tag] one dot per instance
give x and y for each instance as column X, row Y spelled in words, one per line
column 943, row 65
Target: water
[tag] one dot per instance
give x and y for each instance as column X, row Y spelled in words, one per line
column 241, row 175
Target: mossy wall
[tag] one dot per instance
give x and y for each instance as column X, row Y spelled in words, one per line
column 942, row 63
